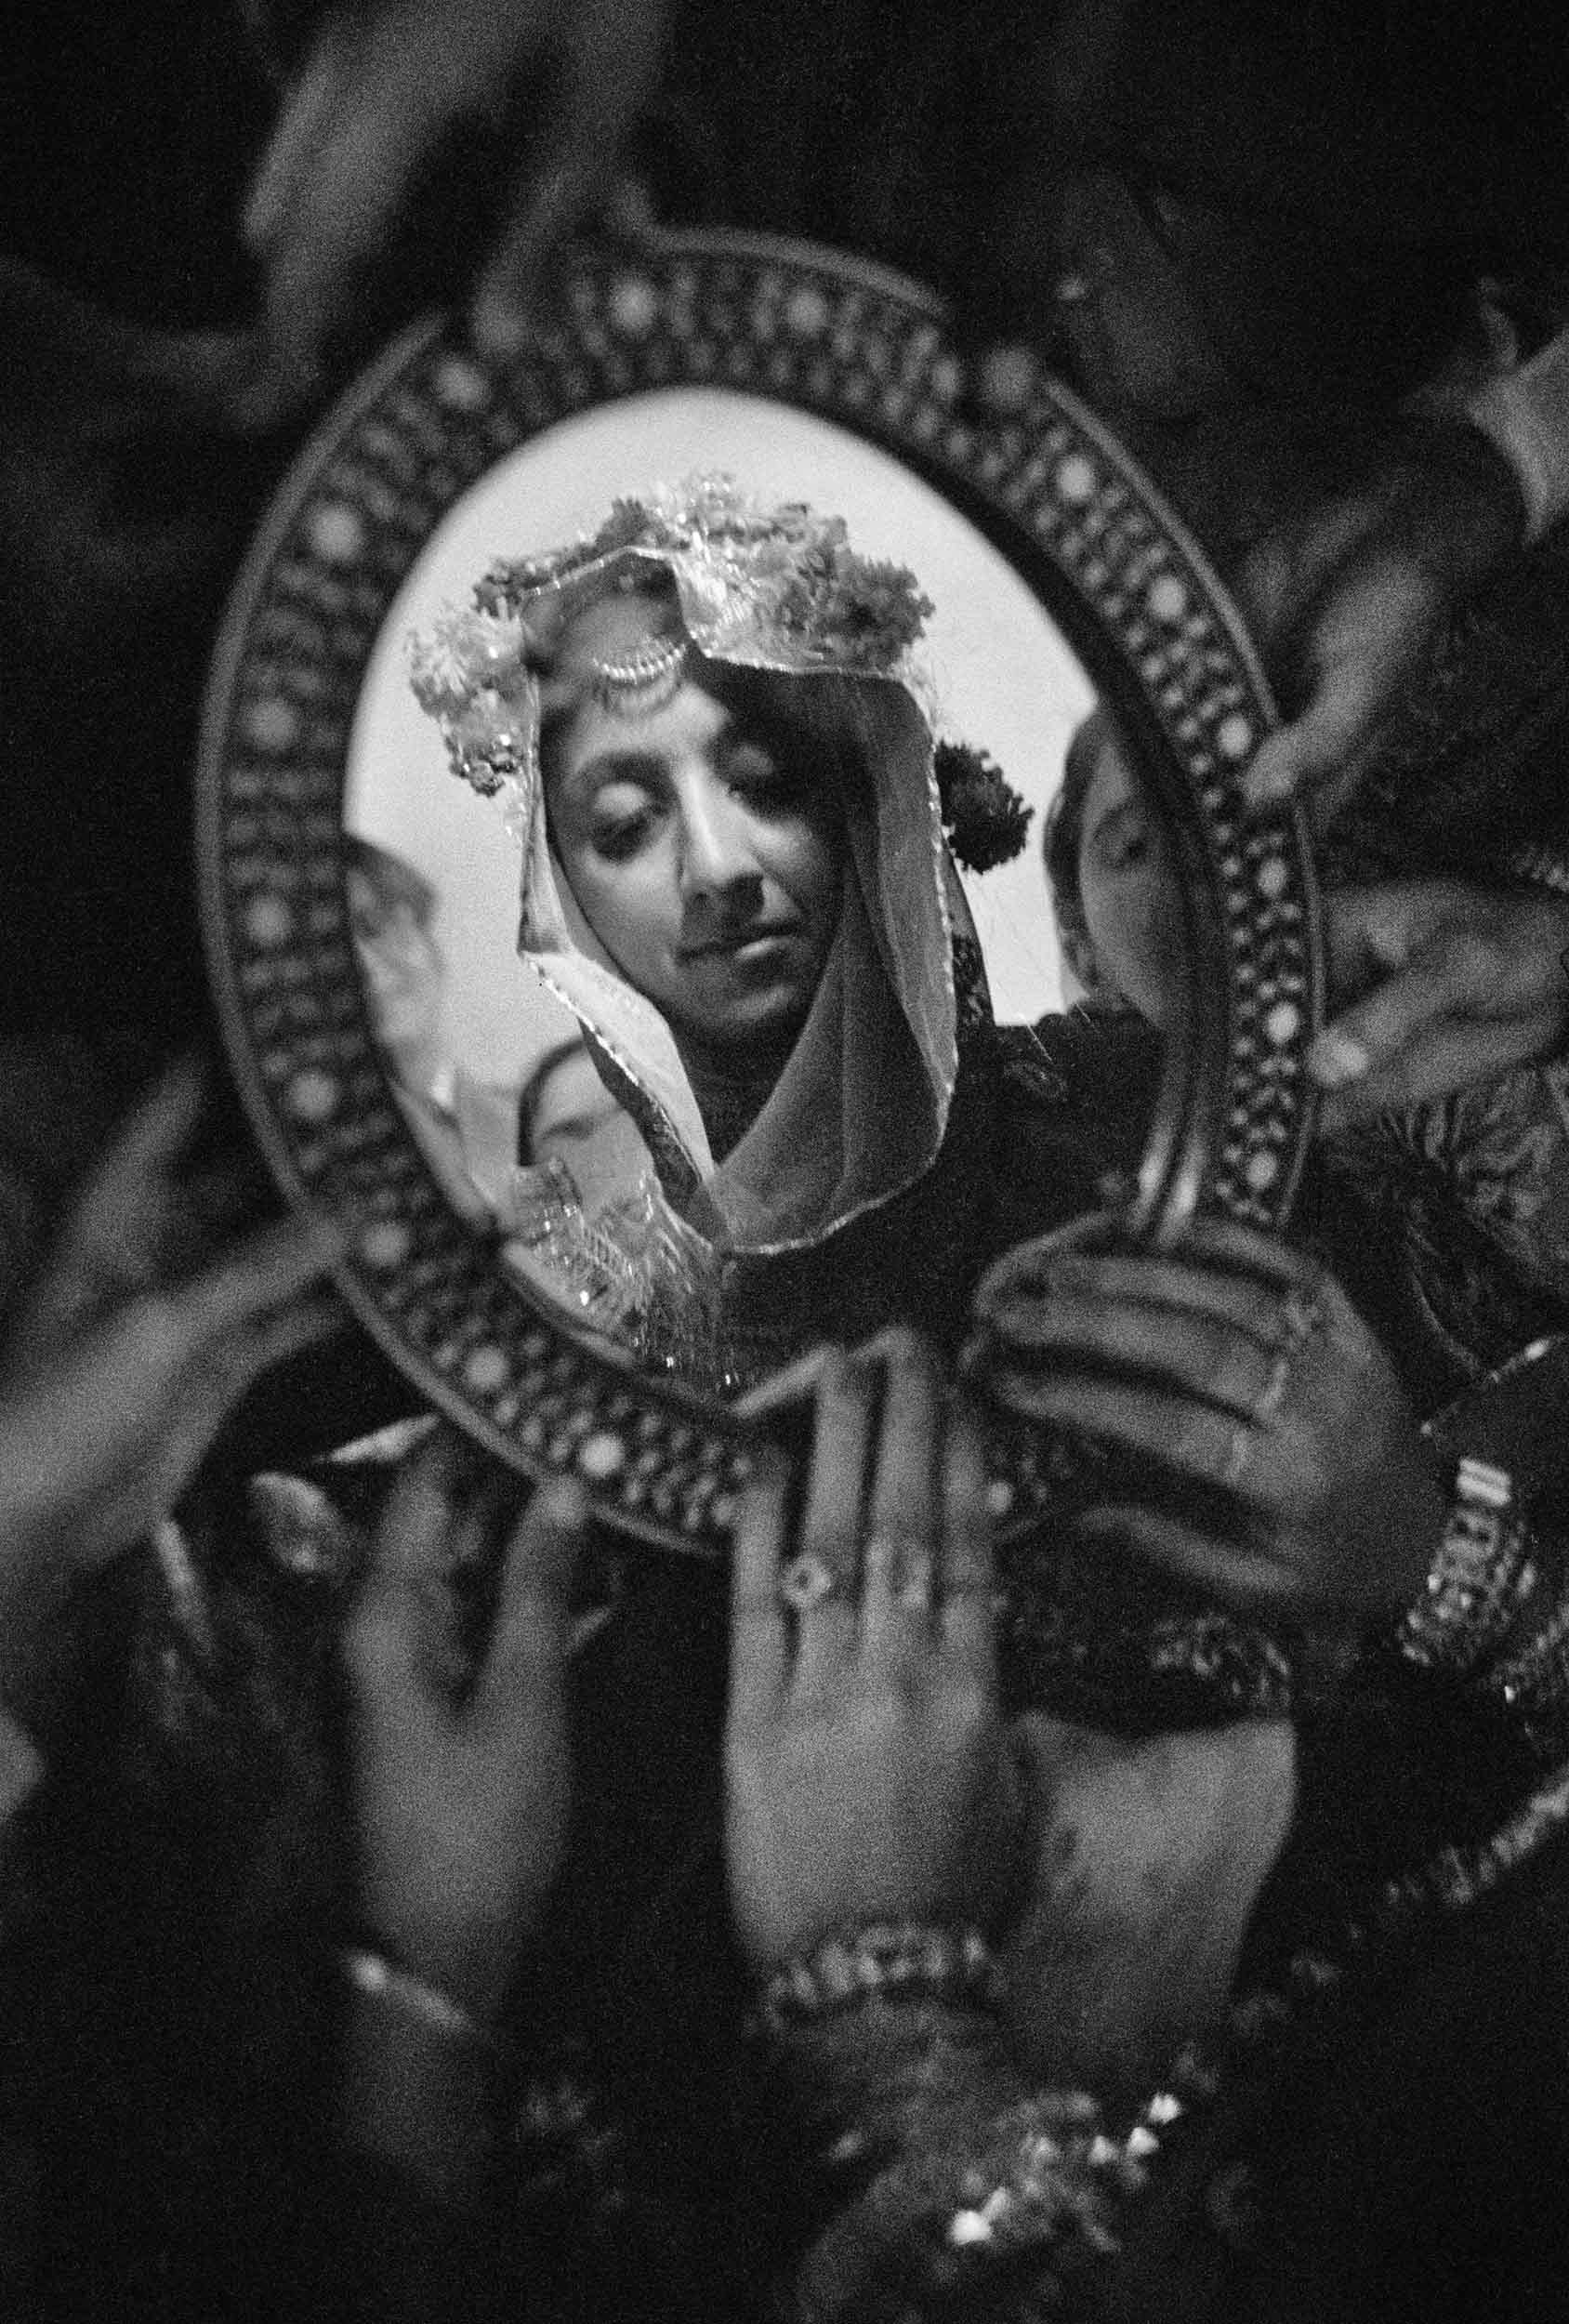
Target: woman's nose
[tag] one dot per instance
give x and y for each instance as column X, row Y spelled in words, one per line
column 717, row 851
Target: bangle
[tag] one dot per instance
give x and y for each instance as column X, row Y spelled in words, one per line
column 881, row 1962
column 382, row 1980
column 1478, row 1581
column 1525, row 415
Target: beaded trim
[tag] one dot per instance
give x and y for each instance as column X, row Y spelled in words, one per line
column 1245, row 1670
column 1053, row 2176
column 1057, row 2176
column 884, row 1961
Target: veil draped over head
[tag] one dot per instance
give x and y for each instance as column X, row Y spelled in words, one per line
column 861, row 1109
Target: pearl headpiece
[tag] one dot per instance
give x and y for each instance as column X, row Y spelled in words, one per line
column 640, row 682
column 772, row 587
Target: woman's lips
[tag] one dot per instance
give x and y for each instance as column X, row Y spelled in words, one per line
column 752, row 944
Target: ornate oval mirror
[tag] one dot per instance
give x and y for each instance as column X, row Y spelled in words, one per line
column 647, row 1055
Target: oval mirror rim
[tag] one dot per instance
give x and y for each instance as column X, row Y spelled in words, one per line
column 663, row 1462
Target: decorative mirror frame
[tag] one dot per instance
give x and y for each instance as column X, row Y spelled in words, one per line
column 1053, row 492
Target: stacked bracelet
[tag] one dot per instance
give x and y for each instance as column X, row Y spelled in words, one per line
column 382, row 1980
column 1532, row 1685
column 1479, row 1580
column 884, row 1961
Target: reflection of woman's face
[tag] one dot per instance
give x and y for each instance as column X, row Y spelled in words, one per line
column 1129, row 890
column 705, row 859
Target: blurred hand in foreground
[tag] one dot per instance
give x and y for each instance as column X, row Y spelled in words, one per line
column 1447, row 984
column 380, row 107
column 1347, row 597
column 143, row 1331
column 462, row 1769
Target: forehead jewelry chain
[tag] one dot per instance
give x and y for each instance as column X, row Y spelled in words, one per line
column 634, row 685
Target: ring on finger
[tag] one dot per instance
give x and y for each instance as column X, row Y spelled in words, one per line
column 904, row 1564
column 1239, row 1452
column 1268, row 1400
column 806, row 1581
column 913, row 1594
column 1301, row 1314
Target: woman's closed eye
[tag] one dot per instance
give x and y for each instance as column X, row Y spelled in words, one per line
column 617, row 840
column 626, row 812
column 762, row 779
column 1122, row 839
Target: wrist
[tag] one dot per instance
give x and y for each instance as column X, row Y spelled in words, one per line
column 469, row 1960
column 1524, row 416
column 385, row 1987
column 418, row 2082
column 1454, row 499
column 35, row 1650
column 21, row 1765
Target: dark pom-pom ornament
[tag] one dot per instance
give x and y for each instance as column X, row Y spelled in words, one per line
column 985, row 820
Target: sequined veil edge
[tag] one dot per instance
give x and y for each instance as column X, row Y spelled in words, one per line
column 719, row 1320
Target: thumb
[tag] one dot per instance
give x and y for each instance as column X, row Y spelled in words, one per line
column 1370, row 933
column 1300, row 759
column 554, row 198
column 785, row 1391
column 1368, row 637
column 301, row 125
column 609, row 64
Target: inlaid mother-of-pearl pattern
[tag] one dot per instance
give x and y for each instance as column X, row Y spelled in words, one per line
column 1052, row 492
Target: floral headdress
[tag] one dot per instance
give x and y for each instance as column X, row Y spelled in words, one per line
column 771, row 587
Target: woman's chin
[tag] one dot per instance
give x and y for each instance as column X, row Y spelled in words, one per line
column 750, row 1022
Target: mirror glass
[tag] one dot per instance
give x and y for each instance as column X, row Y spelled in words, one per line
column 1081, row 933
